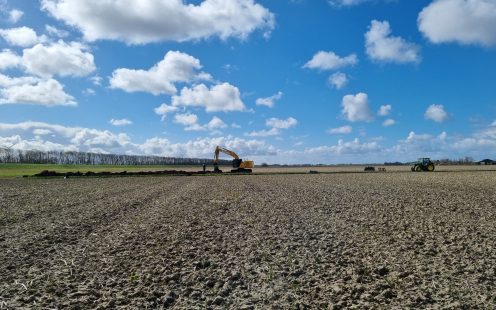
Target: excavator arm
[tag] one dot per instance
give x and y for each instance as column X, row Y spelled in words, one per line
column 238, row 164
column 219, row 149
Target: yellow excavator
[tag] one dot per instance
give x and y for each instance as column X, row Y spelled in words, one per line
column 239, row 166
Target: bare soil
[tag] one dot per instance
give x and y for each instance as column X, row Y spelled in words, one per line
column 364, row 241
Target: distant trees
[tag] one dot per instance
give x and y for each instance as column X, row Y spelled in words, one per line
column 82, row 158
column 461, row 161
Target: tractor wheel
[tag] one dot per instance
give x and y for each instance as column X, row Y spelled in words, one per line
column 413, row 169
column 430, row 167
column 418, row 169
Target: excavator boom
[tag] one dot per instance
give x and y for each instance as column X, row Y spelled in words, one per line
column 239, row 165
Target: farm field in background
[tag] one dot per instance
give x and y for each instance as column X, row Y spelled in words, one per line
column 19, row 170
column 363, row 240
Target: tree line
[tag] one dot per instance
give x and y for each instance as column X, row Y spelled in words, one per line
column 83, row 158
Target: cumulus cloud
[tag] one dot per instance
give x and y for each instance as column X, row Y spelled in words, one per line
column 9, row 60
column 65, row 138
column 281, row 123
column 338, row 80
column 60, row 58
column 22, row 36
column 330, row 61
column 461, row 21
column 340, row 130
column 276, row 125
column 190, row 121
column 436, row 112
column 154, row 21
column 120, row 122
column 389, row 122
column 265, row 133
column 222, row 97
column 269, row 101
column 356, row 108
column 15, row 15
column 186, row 119
column 216, row 123
column 385, row 110
column 383, row 47
column 6, row 81
column 37, row 92
column 343, row 147
column 165, row 109
column 55, row 32
column 160, row 79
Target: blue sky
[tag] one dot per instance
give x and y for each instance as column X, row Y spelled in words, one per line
column 277, row 81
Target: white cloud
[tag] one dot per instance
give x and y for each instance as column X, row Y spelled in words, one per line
column 15, row 15
column 204, row 147
column 187, row 119
column 340, row 130
column 389, row 122
column 160, row 79
column 265, row 133
column 22, row 36
column 6, row 81
column 343, row 147
column 436, row 113
column 276, row 125
column 222, row 97
column 338, row 80
column 65, row 138
column 96, row 80
column 153, row 21
column 234, row 125
column 269, row 101
column 120, row 122
column 89, row 92
column 461, row 21
column 60, row 59
column 216, row 123
column 281, row 123
column 330, row 61
column 9, row 60
column 381, row 46
column 385, row 110
column 55, row 32
column 356, row 108
column 42, row 132
column 165, row 109
column 45, row 92
column 190, row 121
column 493, row 123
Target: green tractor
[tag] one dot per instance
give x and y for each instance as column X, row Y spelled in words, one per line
column 423, row 164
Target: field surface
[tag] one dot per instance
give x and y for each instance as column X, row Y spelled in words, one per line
column 329, row 241
column 19, row 170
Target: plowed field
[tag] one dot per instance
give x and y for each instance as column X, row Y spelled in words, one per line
column 401, row 240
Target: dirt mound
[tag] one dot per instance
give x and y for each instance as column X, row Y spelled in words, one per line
column 46, row 173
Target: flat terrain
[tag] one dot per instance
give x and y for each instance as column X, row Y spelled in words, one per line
column 369, row 241
column 19, row 170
